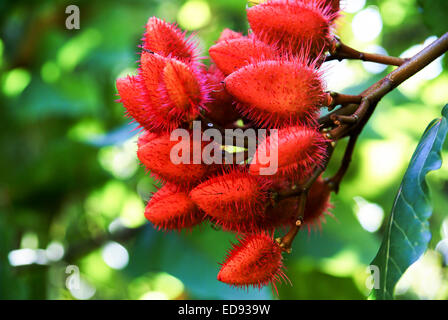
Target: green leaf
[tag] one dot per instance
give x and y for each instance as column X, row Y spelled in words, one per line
column 407, row 234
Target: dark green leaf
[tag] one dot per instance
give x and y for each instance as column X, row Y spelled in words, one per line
column 407, row 234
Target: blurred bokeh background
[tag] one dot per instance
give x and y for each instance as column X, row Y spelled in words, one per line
column 72, row 192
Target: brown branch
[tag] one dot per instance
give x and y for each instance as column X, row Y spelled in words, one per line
column 286, row 241
column 334, row 99
column 335, row 181
column 341, row 51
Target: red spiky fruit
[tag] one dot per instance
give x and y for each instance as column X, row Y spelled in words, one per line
column 168, row 40
column 293, row 25
column 139, row 94
column 183, row 92
column 230, row 55
column 220, row 108
column 278, row 93
column 235, row 200
column 297, row 151
column 166, row 94
column 255, row 261
column 136, row 101
column 228, row 34
column 317, row 203
column 170, row 208
column 151, row 71
column 156, row 156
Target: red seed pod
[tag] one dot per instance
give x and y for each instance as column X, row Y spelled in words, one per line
column 228, row 34
column 151, row 71
column 317, row 203
column 278, row 93
column 166, row 94
column 170, row 208
column 139, row 94
column 183, row 92
column 255, row 261
column 297, row 151
column 160, row 156
column 220, row 108
column 136, row 100
column 235, row 200
column 169, row 41
column 231, row 55
column 293, row 25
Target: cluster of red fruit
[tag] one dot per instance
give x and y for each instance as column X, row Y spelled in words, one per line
column 270, row 79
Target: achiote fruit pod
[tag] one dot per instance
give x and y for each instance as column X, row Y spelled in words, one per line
column 183, row 92
column 168, row 40
column 169, row 90
column 157, row 155
column 277, row 93
column 228, row 34
column 235, row 200
column 230, row 55
column 170, row 208
column 255, row 261
column 299, row 150
column 136, row 101
column 296, row 26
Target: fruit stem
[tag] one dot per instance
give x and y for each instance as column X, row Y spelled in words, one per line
column 341, row 51
column 334, row 99
column 335, row 181
column 286, row 241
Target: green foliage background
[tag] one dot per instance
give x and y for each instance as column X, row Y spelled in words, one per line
column 70, row 177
